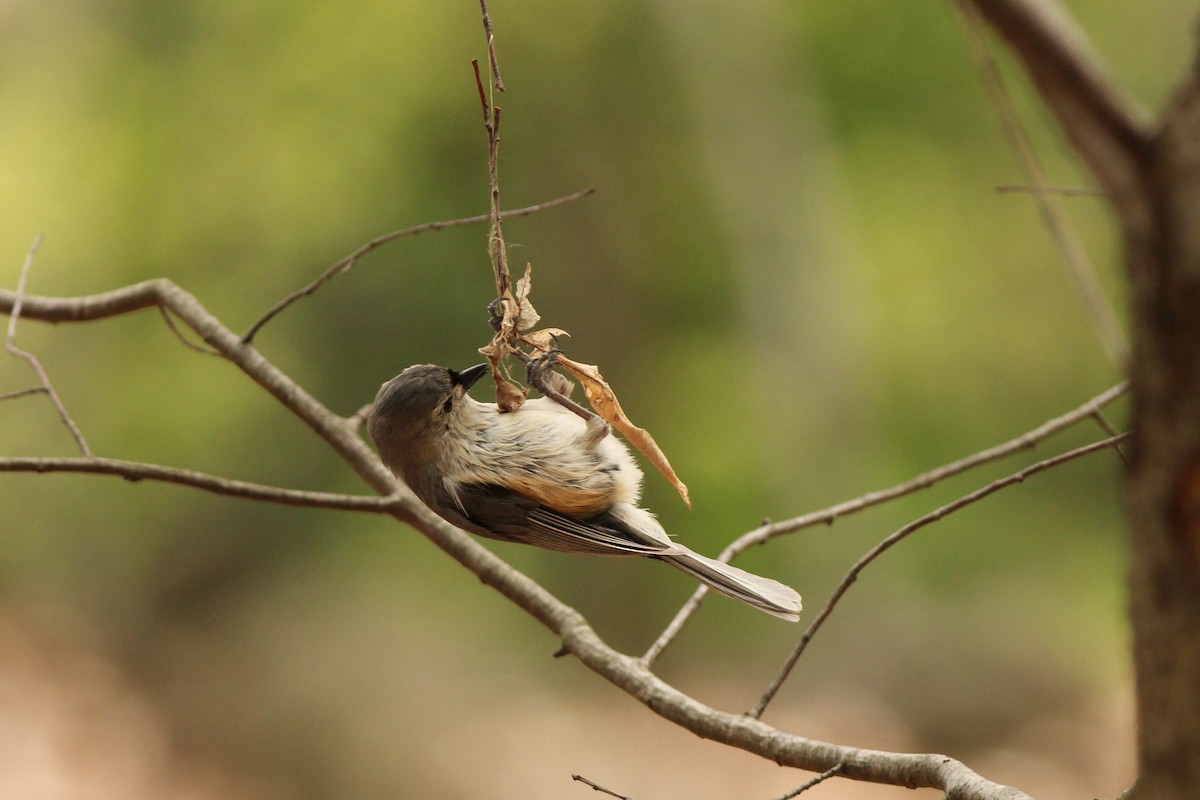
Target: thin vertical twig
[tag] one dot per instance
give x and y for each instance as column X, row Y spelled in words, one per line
column 1070, row 249
column 43, row 376
column 496, row 248
column 497, row 81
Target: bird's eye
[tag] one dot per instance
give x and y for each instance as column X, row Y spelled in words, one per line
column 449, row 404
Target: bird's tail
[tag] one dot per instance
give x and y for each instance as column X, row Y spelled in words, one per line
column 762, row 593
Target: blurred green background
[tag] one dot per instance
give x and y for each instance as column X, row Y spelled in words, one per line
column 796, row 272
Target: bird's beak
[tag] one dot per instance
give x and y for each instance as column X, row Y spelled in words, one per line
column 468, row 376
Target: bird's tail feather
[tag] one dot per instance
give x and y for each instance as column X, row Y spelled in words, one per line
column 762, row 593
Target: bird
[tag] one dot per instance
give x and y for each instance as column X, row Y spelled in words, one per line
column 539, row 475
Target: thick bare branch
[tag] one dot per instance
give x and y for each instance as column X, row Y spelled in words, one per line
column 162, row 293
column 736, row 730
column 623, row 671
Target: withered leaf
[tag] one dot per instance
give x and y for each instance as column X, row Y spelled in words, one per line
column 543, row 339
column 604, row 401
column 526, row 315
column 509, row 396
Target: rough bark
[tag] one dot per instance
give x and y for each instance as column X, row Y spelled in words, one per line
column 1152, row 176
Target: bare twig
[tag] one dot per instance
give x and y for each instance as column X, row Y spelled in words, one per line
column 162, row 293
column 496, row 246
column 348, row 263
column 1070, row 249
column 184, row 340
column 43, row 376
column 827, row 516
column 1065, row 191
column 359, row 418
column 138, row 471
column 497, row 81
column 599, row 788
column 826, row 775
column 23, row 393
column 902, row 534
column 1111, row 430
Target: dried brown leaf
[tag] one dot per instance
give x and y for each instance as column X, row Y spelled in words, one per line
column 493, row 351
column 544, row 339
column 508, row 396
column 526, row 315
column 604, row 401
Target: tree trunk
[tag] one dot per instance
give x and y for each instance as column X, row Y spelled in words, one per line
column 1152, row 177
column 1163, row 488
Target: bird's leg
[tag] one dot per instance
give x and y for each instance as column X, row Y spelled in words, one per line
column 495, row 314
column 538, row 371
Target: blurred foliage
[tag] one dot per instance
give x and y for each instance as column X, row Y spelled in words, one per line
column 796, row 272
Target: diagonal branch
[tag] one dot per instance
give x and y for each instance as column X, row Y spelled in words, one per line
column 348, row 263
column 904, row 533
column 627, row 673
column 828, row 516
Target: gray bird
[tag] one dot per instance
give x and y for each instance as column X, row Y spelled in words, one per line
column 540, row 475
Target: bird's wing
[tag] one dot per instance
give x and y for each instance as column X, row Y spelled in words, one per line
column 500, row 513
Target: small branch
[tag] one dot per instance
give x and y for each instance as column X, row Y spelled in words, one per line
column 13, row 350
column 1065, row 191
column 828, row 516
column 1111, row 430
column 496, row 247
column 826, row 775
column 497, row 81
column 162, row 293
column 23, row 393
column 599, row 788
column 186, row 342
column 359, row 418
column 348, row 263
column 1070, row 249
column 904, row 533
column 138, row 471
